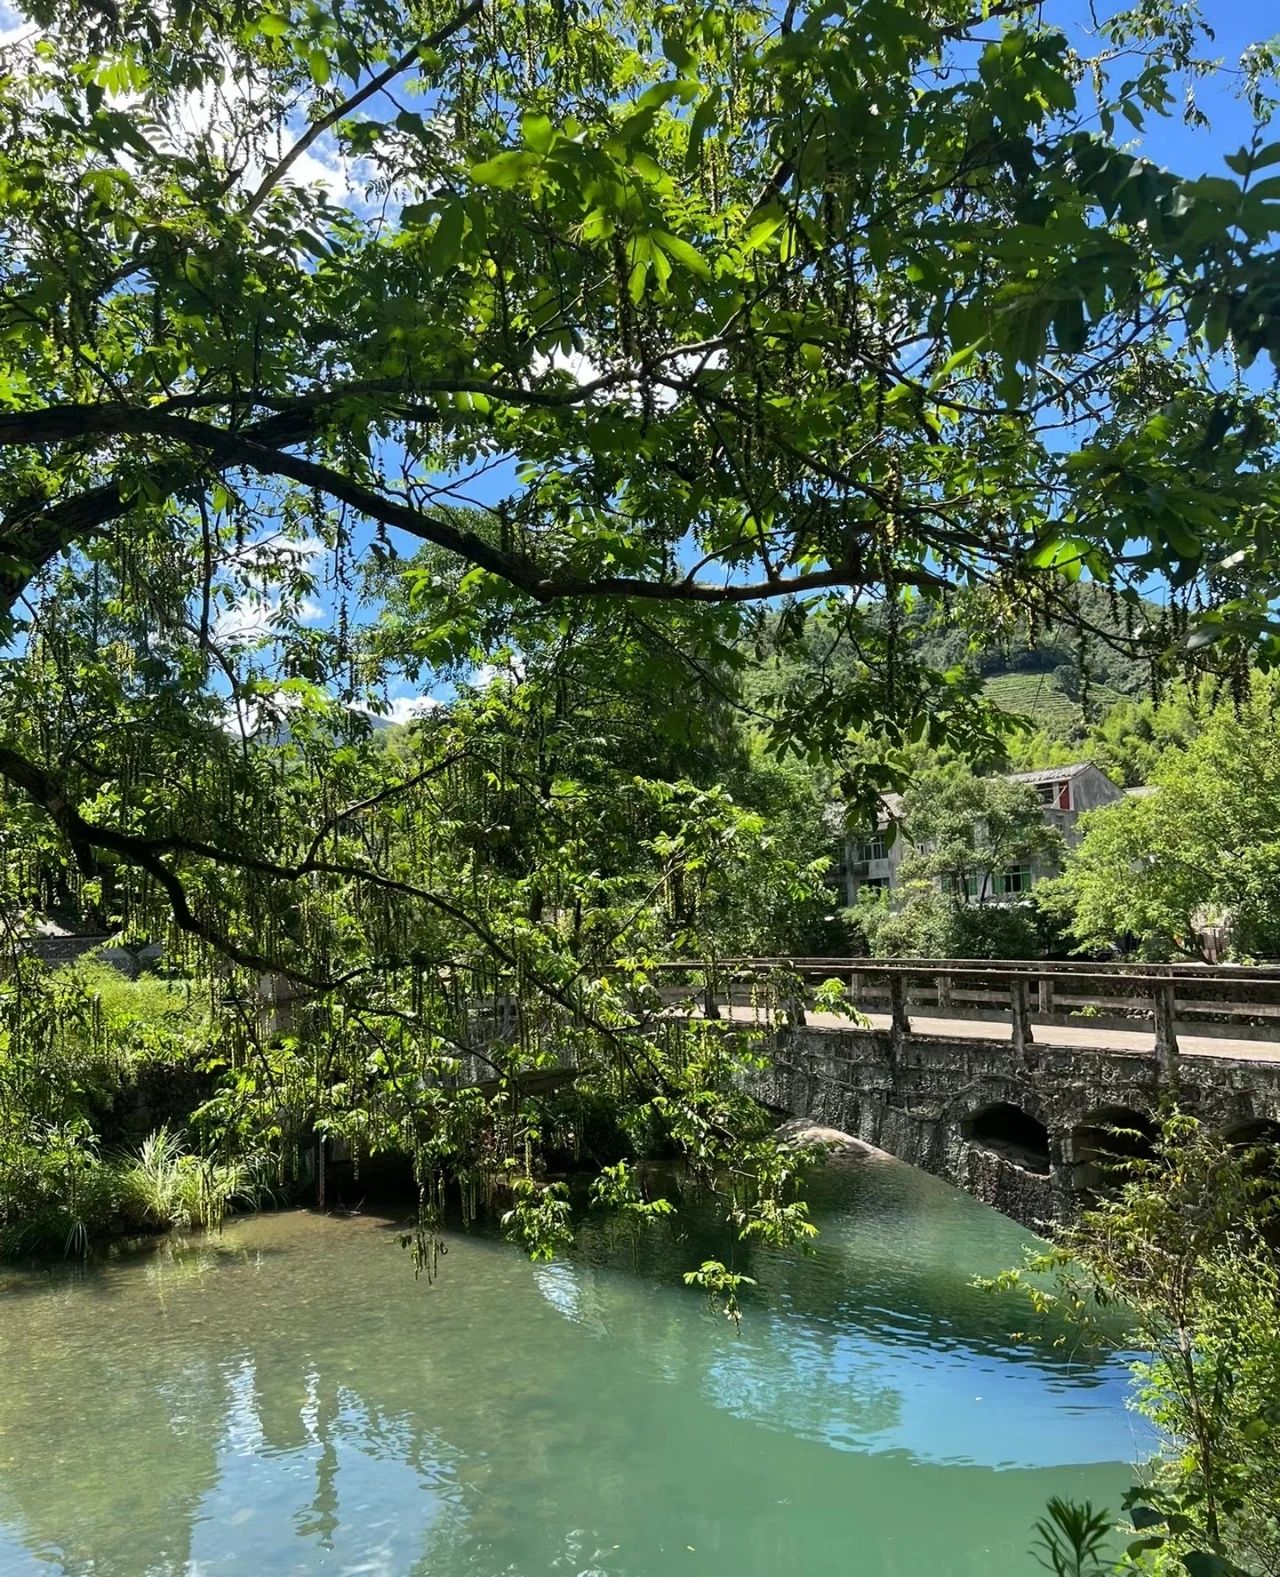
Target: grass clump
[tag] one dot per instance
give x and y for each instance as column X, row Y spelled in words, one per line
column 163, row 1185
column 77, row 1045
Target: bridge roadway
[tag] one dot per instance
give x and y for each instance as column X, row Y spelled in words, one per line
column 1076, row 1037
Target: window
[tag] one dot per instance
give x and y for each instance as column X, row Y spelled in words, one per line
column 876, row 883
column 875, row 848
column 1017, row 879
column 1055, row 796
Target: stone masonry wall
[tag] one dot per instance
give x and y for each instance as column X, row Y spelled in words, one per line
column 916, row 1098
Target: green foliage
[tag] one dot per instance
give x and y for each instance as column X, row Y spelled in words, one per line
column 1199, row 852
column 832, row 996
column 1181, row 1256
column 60, row 1194
column 539, row 1219
column 1131, row 739
column 164, row 1186
column 1073, row 1539
column 55, row 1192
column 714, row 323
column 1041, row 698
column 71, row 1044
column 826, row 351
column 923, row 922
column 721, row 1286
column 618, row 1188
column 966, row 832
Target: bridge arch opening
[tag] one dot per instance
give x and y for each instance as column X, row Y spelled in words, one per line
column 1260, row 1138
column 1253, row 1131
column 1106, row 1144
column 1010, row 1133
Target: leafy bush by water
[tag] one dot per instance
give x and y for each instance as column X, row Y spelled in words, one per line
column 163, row 1185
column 73, row 1044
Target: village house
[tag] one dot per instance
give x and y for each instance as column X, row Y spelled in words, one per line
column 871, row 861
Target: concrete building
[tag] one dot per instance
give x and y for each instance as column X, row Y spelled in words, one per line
column 872, row 860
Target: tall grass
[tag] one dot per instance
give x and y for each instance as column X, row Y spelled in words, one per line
column 163, row 1185
column 75, row 1196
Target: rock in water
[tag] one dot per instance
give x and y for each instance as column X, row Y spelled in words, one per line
column 798, row 1131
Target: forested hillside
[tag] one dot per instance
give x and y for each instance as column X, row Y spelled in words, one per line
column 1103, row 685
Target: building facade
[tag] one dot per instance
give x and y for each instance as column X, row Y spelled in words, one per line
column 871, row 861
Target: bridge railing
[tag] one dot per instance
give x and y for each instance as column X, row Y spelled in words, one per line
column 1168, row 999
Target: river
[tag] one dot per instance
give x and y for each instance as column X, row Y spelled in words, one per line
column 285, row 1398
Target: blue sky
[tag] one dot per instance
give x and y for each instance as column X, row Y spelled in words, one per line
column 1236, row 24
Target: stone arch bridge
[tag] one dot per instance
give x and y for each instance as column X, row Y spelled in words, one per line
column 1026, row 1083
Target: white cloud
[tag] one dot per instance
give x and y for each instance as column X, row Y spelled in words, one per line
column 14, row 27
column 405, row 708
column 333, row 174
column 259, row 562
column 577, row 364
column 253, row 618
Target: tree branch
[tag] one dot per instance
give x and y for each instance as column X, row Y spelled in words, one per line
column 318, row 127
column 255, row 448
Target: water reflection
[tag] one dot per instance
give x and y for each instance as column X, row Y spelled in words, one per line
column 286, row 1399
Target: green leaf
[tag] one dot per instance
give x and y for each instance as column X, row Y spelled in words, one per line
column 1061, row 553
column 538, row 133
column 1217, row 323
column 446, row 241
column 1201, row 1563
column 1270, row 154
column 506, row 170
column 681, row 252
column 1146, row 1517
column 1069, row 327
column 958, row 360
column 682, row 88
column 413, row 125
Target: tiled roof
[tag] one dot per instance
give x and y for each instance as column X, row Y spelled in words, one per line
column 1050, row 774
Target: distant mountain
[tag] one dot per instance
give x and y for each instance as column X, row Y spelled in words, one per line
column 1041, row 697
column 1051, row 677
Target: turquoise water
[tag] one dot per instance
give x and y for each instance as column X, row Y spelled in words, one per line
column 285, row 1398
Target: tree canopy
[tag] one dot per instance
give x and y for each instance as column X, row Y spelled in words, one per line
column 967, row 836
column 1197, row 854
column 726, row 306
